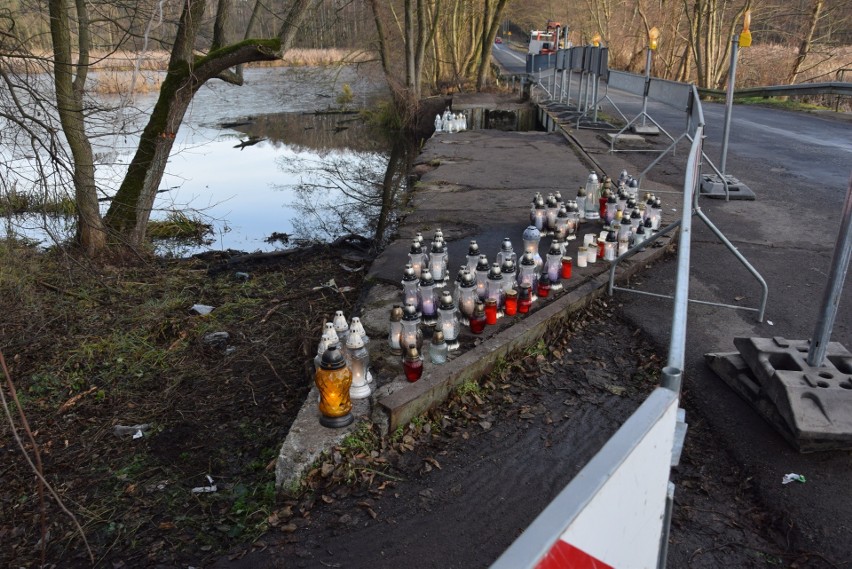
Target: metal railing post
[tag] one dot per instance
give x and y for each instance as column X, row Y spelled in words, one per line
column 729, row 103
column 834, row 288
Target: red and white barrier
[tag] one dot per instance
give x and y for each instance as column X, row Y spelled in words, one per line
column 611, row 514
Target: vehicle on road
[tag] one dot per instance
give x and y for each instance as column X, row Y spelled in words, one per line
column 498, row 39
column 545, row 41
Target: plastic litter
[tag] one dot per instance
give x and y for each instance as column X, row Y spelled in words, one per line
column 793, row 477
column 136, row 431
column 205, row 489
column 201, row 309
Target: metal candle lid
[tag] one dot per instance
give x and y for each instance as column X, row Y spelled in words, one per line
column 482, row 265
column 467, row 280
column 528, row 259
column 563, row 211
column 410, row 313
column 555, row 249
column 415, row 247
column 332, row 358
column 479, row 309
column 411, row 354
column 408, row 274
column 438, row 337
column 506, row 246
column 508, row 267
column 495, row 274
column 396, row 313
column 426, row 278
column 473, row 249
column 446, row 301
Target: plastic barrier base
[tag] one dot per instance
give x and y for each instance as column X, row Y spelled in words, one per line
column 713, row 187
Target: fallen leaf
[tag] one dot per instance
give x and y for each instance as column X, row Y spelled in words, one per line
column 433, row 462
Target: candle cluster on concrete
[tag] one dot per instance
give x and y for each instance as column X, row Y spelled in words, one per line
column 450, row 122
column 608, row 214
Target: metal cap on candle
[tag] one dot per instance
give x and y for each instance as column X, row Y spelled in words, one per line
column 494, row 274
column 531, row 233
column 408, row 274
column 468, row 280
column 555, row 249
column 332, row 358
column 426, row 278
column 438, row 337
column 396, row 313
column 479, row 309
column 506, row 246
column 415, row 247
column 528, row 259
column 411, row 353
column 508, row 266
column 473, row 249
column 410, row 313
column 446, row 301
column 482, row 265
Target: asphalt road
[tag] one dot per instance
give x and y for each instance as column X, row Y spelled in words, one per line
column 798, row 164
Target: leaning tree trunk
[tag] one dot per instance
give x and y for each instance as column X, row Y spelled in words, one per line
column 91, row 234
column 805, row 46
column 131, row 207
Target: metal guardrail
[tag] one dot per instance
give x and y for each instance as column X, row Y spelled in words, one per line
column 800, row 90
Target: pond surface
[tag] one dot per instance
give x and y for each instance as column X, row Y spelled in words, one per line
column 258, row 160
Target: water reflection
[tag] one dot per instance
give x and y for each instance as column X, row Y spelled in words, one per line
column 349, row 175
column 250, row 173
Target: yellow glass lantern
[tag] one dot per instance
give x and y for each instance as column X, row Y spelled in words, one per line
column 596, row 40
column 745, row 35
column 333, row 380
column 653, row 37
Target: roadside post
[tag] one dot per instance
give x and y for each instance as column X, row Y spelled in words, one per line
column 723, row 185
column 653, row 40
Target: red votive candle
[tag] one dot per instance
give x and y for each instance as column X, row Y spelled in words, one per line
column 511, row 307
column 524, row 299
column 491, row 311
column 567, row 266
column 543, row 287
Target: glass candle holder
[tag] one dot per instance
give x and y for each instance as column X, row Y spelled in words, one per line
column 524, row 298
column 581, row 203
column 477, row 321
column 448, row 322
column 417, row 258
column 582, row 256
column 438, row 348
column 589, row 239
column 592, row 254
column 410, row 285
column 412, row 364
column 593, row 194
column 472, row 256
column 544, row 286
column 567, row 267
column 481, row 274
column 395, row 330
column 507, row 252
column 511, row 307
column 333, row 379
column 601, row 248
column 610, row 246
column 358, row 360
column 467, row 296
column 490, row 311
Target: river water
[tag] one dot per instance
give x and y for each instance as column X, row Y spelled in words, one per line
column 259, row 160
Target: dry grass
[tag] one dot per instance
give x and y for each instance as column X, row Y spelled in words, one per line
column 769, row 64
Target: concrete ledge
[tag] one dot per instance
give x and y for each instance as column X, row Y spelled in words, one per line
column 307, row 440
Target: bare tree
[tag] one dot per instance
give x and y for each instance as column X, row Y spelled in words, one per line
column 194, row 60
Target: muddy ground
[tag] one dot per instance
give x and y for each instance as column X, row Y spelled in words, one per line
column 457, row 487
